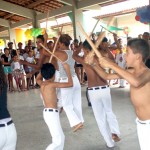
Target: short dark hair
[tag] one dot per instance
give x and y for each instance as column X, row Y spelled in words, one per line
column 41, row 37
column 65, row 39
column 104, row 40
column 140, row 46
column 147, row 33
column 87, row 45
column 75, row 41
column 48, row 71
column 5, row 49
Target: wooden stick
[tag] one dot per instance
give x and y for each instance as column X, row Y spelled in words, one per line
column 54, row 49
column 50, row 52
column 15, row 44
column 56, row 44
column 102, row 35
column 100, row 38
column 89, row 40
column 47, row 20
column 16, row 48
column 57, row 26
column 94, row 27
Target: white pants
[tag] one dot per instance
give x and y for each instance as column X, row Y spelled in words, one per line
column 105, row 118
column 143, row 130
column 122, row 82
column 71, row 101
column 53, row 122
column 57, row 77
column 8, row 137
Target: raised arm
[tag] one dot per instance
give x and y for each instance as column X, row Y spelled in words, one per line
column 101, row 72
column 92, row 60
column 135, row 81
column 76, row 56
column 116, row 40
column 39, row 79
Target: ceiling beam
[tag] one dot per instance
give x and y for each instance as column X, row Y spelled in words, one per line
column 15, row 9
column 8, row 16
column 56, row 12
column 35, row 3
column 20, row 23
column 4, row 22
column 89, row 3
column 3, row 29
column 67, row 2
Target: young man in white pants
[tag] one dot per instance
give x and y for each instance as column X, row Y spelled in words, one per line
column 99, row 94
column 138, row 51
column 51, row 112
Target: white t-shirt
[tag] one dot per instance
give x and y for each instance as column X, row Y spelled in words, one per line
column 30, row 60
column 17, row 66
column 81, row 54
column 120, row 60
column 25, row 55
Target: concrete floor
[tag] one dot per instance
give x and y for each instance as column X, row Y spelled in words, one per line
column 33, row 134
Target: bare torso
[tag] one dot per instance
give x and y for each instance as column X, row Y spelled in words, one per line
column 49, row 96
column 140, row 98
column 93, row 78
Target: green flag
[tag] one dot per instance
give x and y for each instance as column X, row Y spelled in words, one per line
column 111, row 28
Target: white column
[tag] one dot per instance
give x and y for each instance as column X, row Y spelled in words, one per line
column 77, row 16
column 12, row 36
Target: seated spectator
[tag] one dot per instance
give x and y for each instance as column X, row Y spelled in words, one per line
column 18, row 73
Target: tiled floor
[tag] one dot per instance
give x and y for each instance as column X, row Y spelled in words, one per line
column 26, row 111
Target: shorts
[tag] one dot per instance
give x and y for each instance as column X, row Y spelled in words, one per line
column 78, row 65
column 7, row 70
column 17, row 74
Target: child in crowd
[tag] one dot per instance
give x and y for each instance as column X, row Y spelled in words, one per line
column 6, row 58
column 18, row 73
column 50, row 112
column 30, row 59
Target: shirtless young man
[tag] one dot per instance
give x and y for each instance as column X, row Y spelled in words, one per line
column 138, row 51
column 99, row 93
column 50, row 112
column 43, row 57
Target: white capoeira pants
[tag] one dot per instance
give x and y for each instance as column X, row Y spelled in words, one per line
column 57, row 77
column 143, row 130
column 8, row 135
column 51, row 117
column 71, row 101
column 102, row 107
column 122, row 82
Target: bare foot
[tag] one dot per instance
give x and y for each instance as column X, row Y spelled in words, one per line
column 77, row 127
column 115, row 137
